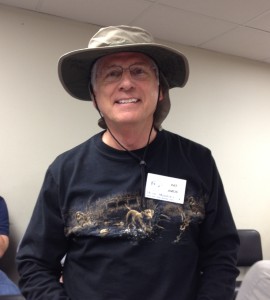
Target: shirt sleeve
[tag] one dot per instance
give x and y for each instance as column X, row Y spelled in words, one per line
column 4, row 218
column 42, row 247
column 219, row 244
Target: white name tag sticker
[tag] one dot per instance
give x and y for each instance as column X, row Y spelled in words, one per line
column 165, row 188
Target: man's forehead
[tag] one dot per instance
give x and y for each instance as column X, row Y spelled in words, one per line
column 124, row 57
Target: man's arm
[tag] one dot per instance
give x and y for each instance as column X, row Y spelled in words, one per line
column 42, row 248
column 219, row 244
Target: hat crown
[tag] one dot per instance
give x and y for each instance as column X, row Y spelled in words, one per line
column 120, row 35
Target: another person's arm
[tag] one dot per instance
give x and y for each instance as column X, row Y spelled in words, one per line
column 4, row 227
column 4, row 242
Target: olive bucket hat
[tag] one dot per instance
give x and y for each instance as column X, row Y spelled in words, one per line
column 74, row 68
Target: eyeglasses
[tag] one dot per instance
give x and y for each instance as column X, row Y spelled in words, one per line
column 137, row 72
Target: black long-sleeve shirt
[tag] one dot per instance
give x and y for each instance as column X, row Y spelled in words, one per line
column 90, row 211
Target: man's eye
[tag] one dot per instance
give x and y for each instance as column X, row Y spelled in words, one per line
column 138, row 71
column 113, row 74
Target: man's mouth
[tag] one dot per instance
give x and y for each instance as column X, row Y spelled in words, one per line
column 127, row 101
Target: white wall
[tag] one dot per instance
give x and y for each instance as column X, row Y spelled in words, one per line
column 225, row 106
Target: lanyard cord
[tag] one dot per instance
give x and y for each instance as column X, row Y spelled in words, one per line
column 141, row 161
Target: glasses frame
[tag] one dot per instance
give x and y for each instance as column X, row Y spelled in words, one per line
column 132, row 72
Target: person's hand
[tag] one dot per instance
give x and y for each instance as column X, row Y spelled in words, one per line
column 4, row 241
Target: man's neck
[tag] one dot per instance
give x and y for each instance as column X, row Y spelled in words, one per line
column 130, row 139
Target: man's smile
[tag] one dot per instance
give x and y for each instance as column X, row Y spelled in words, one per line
column 127, row 101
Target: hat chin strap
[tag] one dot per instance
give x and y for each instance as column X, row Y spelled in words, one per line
column 141, row 160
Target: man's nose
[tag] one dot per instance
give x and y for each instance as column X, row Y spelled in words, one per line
column 126, row 79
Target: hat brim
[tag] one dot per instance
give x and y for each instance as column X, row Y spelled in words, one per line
column 74, row 68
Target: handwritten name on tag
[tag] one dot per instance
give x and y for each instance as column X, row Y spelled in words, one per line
column 165, row 188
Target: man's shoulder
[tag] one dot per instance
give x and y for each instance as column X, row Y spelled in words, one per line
column 185, row 143
column 75, row 154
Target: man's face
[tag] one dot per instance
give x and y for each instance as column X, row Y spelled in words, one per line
column 126, row 89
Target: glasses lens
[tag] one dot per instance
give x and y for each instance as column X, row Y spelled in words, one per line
column 111, row 74
column 137, row 72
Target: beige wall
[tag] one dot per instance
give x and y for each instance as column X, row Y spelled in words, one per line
column 225, row 106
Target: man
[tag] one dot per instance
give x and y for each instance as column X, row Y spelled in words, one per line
column 137, row 212
column 7, row 287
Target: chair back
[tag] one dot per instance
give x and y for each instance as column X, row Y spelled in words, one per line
column 250, row 250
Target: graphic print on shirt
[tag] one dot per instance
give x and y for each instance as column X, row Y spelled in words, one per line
column 122, row 216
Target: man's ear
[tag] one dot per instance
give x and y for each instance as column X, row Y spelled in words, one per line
column 92, row 95
column 161, row 96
